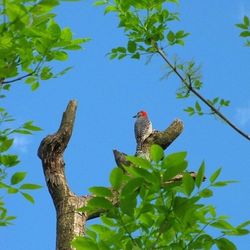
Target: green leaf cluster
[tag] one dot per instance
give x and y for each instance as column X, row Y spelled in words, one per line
column 154, row 212
column 145, row 23
column 245, row 27
column 30, row 40
column 217, row 103
column 12, row 183
column 148, row 27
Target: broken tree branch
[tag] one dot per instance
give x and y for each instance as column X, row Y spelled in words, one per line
column 69, row 221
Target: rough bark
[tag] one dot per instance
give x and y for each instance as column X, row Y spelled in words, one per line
column 71, row 222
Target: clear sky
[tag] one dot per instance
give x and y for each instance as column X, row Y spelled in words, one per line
column 109, row 93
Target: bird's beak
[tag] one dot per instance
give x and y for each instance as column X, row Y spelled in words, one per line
column 134, row 116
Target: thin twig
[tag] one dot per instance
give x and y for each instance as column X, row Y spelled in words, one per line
column 191, row 89
column 18, row 78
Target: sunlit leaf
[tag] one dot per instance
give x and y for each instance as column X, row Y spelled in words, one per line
column 100, row 191
column 17, row 177
column 156, row 153
column 28, row 197
column 116, row 177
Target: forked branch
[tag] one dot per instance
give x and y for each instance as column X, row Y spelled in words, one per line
column 71, row 222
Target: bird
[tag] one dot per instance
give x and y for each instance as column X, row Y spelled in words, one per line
column 143, row 129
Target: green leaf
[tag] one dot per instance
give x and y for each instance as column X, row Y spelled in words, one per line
column 136, row 55
column 60, row 55
column 54, row 30
column 197, row 107
column 174, row 164
column 174, row 158
column 222, row 183
column 237, row 232
column 131, row 46
column 222, row 224
column 244, row 224
column 215, row 175
column 110, row 8
column 245, row 33
column 174, row 170
column 28, row 197
column 180, row 42
column 29, row 186
column 91, row 234
column 128, row 204
column 12, row 190
column 17, row 177
column 66, row 34
column 190, row 110
column 98, row 3
column 29, row 126
column 46, row 73
column 99, row 202
column 5, row 145
column 139, row 161
column 121, row 56
column 84, row 243
column 188, row 183
column 101, row 191
column 200, row 175
column 246, row 20
column 9, row 160
column 171, row 36
column 22, row 131
column 145, row 174
column 116, row 178
column 225, row 244
column 156, row 153
column 30, row 79
column 132, row 186
column 242, row 26
column 35, row 86
column 206, row 193
column 6, row 87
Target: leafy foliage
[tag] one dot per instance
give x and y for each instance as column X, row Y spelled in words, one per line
column 30, row 39
column 245, row 27
column 148, row 27
column 7, row 160
column 155, row 212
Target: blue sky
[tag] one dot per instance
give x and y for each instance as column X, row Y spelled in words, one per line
column 109, row 93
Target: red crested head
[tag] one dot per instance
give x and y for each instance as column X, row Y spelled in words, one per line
column 141, row 114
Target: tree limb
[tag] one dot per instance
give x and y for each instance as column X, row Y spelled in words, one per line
column 191, row 89
column 70, row 222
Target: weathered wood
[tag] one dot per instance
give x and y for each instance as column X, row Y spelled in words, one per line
column 69, row 221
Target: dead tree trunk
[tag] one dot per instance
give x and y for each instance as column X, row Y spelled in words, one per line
column 71, row 222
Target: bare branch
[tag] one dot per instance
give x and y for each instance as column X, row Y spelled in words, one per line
column 191, row 89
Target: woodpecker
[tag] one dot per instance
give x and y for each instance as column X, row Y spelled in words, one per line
column 143, row 129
